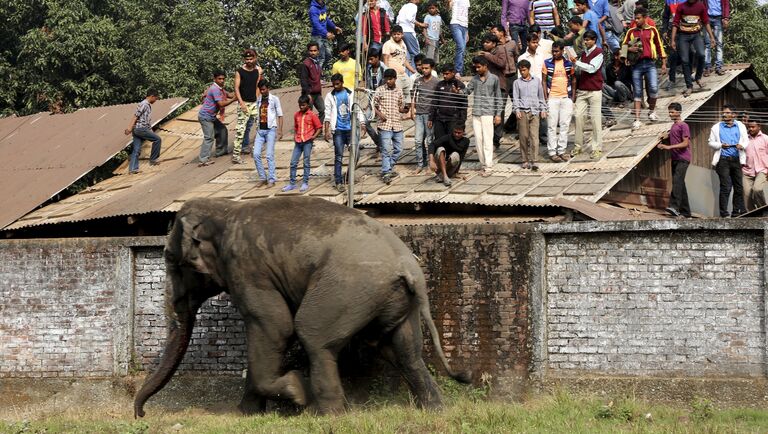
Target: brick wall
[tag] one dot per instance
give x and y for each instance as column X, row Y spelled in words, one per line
column 62, row 309
column 656, row 303
column 653, row 299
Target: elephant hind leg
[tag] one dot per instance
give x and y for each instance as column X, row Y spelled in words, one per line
column 325, row 381
column 405, row 351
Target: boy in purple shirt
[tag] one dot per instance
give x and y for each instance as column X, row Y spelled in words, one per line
column 214, row 101
column 680, row 148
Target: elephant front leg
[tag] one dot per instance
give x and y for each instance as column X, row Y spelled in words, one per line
column 252, row 402
column 266, row 346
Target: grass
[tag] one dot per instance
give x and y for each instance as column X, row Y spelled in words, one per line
column 466, row 411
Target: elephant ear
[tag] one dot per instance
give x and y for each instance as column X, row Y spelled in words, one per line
column 191, row 240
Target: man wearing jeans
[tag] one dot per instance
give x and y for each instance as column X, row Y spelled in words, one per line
column 690, row 18
column 514, row 18
column 324, row 30
column 424, row 91
column 719, row 12
column 406, row 19
column 388, row 103
column 338, row 123
column 729, row 138
column 214, row 101
column 459, row 31
column 645, row 42
column 270, row 119
column 141, row 128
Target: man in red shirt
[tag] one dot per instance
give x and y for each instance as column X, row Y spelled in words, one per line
column 375, row 27
column 690, row 17
column 306, row 127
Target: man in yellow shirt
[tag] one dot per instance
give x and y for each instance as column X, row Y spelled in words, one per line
column 346, row 67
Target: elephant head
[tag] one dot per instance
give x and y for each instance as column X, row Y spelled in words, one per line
column 192, row 276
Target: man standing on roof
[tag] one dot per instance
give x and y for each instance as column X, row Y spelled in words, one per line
column 407, row 20
column 448, row 108
column 690, row 19
column 310, row 73
column 246, row 79
column 324, row 30
column 214, row 101
column 719, row 12
column 376, row 27
column 756, row 169
column 644, row 45
column 270, row 130
column 459, row 31
column 141, row 128
column 730, row 140
column 514, row 18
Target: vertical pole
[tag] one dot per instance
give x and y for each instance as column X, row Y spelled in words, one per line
column 355, row 142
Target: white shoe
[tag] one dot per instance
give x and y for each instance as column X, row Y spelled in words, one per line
column 636, row 125
column 653, row 116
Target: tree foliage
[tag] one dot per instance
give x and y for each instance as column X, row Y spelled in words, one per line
column 61, row 55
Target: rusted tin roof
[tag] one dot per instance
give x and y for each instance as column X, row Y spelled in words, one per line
column 166, row 187
column 42, row 154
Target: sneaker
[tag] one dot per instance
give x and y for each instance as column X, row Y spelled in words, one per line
column 304, row 187
column 205, row 163
column 236, row 159
column 653, row 116
column 447, row 182
column 687, row 92
column 386, row 178
column 289, row 187
column 340, row 188
column 576, row 151
column 596, row 154
column 636, row 125
column 719, row 71
column 525, row 165
column 556, row 158
column 673, row 212
column 565, row 157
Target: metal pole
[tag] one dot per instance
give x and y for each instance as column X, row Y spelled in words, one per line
column 355, row 143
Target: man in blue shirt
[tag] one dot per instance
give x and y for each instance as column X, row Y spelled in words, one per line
column 729, row 138
column 591, row 20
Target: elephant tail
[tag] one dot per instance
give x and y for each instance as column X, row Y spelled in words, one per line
column 417, row 284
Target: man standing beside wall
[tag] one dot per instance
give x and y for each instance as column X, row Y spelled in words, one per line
column 756, row 169
column 729, row 138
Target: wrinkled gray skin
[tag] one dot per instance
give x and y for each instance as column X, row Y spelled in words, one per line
column 304, row 267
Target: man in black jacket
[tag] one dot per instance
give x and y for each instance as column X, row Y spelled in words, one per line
column 309, row 76
column 447, row 153
column 448, row 107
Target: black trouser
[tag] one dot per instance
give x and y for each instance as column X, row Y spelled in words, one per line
column 221, row 135
column 729, row 171
column 319, row 103
column 511, row 123
column 679, row 197
column 442, row 128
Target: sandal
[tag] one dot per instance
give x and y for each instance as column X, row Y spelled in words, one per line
column 556, row 158
column 206, row 163
column 526, row 165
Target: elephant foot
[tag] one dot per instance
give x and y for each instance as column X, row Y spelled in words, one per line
column 295, row 388
column 252, row 405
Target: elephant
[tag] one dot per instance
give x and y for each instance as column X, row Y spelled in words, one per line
column 297, row 267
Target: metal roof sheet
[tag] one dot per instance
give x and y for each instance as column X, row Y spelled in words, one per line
column 42, row 154
column 166, row 187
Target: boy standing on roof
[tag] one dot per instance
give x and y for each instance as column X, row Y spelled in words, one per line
column 691, row 17
column 459, row 31
column 306, row 127
column 448, row 108
column 270, row 130
column 346, row 66
column 324, row 30
column 246, row 79
column 433, row 32
column 388, row 103
column 680, row 148
column 338, row 123
column 424, row 92
column 375, row 27
column 214, row 101
column 141, row 128
column 649, row 49
column 487, row 110
column 530, row 107
column 407, row 20
column 395, row 55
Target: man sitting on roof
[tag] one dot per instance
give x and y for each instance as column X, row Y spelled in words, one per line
column 447, row 153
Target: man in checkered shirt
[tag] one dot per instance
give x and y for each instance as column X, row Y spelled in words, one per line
column 141, row 128
column 388, row 103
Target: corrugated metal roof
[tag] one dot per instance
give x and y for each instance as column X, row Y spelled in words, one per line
column 42, row 154
column 166, row 187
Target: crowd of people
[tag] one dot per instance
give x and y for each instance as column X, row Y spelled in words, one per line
column 604, row 55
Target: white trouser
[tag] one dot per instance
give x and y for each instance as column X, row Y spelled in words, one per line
column 483, row 127
column 560, row 112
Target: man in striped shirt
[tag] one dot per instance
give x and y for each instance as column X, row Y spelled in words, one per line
column 141, row 129
column 544, row 13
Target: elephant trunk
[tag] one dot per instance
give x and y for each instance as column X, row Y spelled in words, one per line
column 175, row 347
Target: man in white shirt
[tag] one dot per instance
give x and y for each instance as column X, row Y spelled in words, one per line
column 459, row 31
column 406, row 19
column 533, row 54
